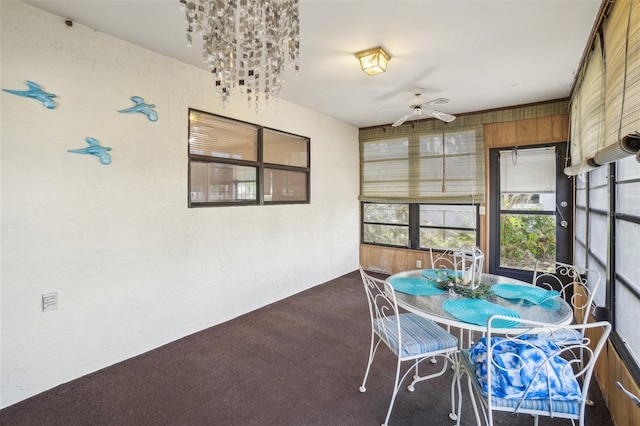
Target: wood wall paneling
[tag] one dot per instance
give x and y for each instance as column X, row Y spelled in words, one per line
column 533, row 131
column 609, row 370
column 508, row 133
column 560, row 128
column 390, row 260
column 527, row 131
column 545, row 128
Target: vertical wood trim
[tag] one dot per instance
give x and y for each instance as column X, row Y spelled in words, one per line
column 489, row 134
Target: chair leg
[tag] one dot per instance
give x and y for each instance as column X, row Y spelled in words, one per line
column 455, row 384
column 400, row 380
column 396, row 385
column 372, row 353
column 473, row 402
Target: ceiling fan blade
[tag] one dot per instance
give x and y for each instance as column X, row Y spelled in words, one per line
column 401, row 120
column 439, row 115
column 438, row 101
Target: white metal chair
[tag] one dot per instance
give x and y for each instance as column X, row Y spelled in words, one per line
column 576, row 285
column 409, row 336
column 533, row 369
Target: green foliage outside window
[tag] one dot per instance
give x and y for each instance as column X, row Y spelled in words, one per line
column 526, row 238
column 446, row 239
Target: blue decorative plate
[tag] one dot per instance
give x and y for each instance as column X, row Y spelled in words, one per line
column 434, row 274
column 478, row 311
column 529, row 293
column 415, row 285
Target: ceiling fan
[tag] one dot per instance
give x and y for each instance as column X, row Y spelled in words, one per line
column 420, row 106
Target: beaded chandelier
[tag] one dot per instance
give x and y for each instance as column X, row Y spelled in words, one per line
column 246, row 43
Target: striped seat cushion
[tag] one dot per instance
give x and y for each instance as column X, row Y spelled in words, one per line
column 571, row 408
column 419, row 335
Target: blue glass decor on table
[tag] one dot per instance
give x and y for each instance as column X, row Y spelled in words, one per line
column 532, row 294
column 415, row 286
column 94, row 148
column 35, row 92
column 142, row 107
column 477, row 311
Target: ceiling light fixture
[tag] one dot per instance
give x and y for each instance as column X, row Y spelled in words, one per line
column 246, row 43
column 373, row 61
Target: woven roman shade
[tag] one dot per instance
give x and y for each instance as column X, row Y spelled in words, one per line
column 427, row 161
column 619, row 67
column 587, row 113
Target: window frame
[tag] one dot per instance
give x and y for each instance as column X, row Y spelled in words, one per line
column 591, row 260
column 414, row 226
column 259, row 164
column 632, row 362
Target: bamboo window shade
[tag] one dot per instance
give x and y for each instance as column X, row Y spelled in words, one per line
column 426, row 161
column 620, row 34
column 587, row 112
column 622, row 46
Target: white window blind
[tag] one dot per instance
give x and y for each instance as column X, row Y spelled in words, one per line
column 214, row 136
column 530, row 171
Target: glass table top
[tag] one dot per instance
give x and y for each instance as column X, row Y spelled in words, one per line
column 554, row 310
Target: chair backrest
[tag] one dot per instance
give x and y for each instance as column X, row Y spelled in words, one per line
column 383, row 307
column 443, row 260
column 576, row 285
column 543, row 362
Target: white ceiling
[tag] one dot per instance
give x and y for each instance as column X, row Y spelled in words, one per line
column 479, row 54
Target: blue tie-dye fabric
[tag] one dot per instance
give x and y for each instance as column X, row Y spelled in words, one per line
column 516, row 373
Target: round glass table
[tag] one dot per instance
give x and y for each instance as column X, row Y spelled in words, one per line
column 555, row 311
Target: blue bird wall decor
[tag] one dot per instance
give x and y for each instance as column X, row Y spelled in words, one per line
column 35, row 92
column 94, row 148
column 142, row 107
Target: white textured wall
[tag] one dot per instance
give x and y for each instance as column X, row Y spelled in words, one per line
column 133, row 266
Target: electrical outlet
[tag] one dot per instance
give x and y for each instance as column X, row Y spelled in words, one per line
column 49, row 302
column 418, row 263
